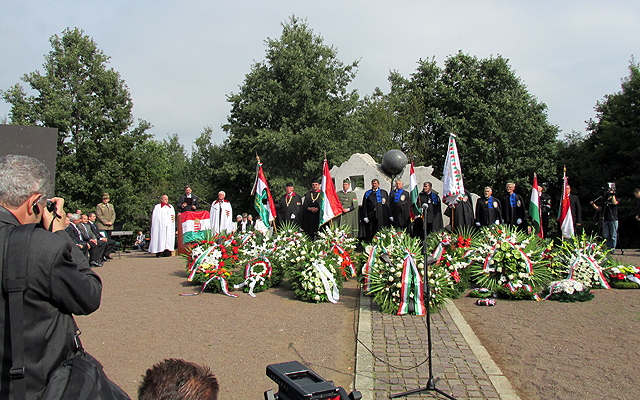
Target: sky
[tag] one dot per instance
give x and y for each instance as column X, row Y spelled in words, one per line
column 181, row 59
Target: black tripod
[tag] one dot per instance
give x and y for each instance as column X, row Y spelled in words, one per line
column 431, row 383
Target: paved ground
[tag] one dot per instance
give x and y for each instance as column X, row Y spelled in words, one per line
column 399, row 343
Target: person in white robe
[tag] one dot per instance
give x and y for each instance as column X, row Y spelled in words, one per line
column 163, row 228
column 221, row 215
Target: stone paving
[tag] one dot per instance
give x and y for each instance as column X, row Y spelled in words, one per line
column 399, row 343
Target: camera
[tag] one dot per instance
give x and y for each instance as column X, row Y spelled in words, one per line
column 297, row 382
column 51, row 206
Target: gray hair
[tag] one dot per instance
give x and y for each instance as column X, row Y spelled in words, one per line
column 21, row 177
column 74, row 217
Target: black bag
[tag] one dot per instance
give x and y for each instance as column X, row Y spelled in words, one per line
column 78, row 378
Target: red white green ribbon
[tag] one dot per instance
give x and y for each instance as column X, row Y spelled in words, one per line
column 369, row 266
column 198, row 261
column 513, row 288
column 245, row 238
column 223, row 286
column 340, row 251
column 251, row 277
column 438, row 252
column 593, row 265
column 411, row 284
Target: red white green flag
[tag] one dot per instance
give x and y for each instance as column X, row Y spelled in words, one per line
column 452, row 184
column 413, row 190
column 196, row 226
column 261, row 191
column 565, row 218
column 330, row 205
column 534, row 206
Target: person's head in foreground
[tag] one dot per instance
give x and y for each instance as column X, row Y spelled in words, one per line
column 175, row 379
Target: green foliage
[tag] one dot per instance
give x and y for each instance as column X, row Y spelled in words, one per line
column 502, row 131
column 98, row 148
column 292, row 108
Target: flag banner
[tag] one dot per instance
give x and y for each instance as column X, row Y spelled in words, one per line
column 534, row 206
column 452, row 185
column 196, row 226
column 413, row 190
column 565, row 218
column 262, row 194
column 330, row 205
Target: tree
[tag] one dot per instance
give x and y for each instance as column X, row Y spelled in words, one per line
column 89, row 104
column 502, row 131
column 291, row 109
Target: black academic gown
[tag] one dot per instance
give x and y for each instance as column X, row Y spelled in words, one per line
column 433, row 214
column 400, row 207
column 376, row 211
column 511, row 215
column 463, row 212
column 182, row 199
column 311, row 220
column 289, row 209
column 488, row 211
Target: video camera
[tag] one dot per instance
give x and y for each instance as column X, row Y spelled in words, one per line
column 609, row 189
column 297, row 382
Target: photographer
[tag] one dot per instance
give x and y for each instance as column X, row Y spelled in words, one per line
column 59, row 280
column 607, row 206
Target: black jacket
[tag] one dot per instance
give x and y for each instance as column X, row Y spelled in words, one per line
column 60, row 283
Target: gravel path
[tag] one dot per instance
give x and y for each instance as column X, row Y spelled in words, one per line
column 143, row 320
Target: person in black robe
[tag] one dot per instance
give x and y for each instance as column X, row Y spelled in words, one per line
column 375, row 210
column 400, row 207
column 488, row 209
column 462, row 212
column 311, row 210
column 289, row 207
column 513, row 212
column 433, row 213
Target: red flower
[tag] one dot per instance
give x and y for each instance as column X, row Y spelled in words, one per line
column 225, row 256
column 221, row 264
column 222, row 249
column 233, row 242
column 235, row 258
column 235, row 250
column 456, row 276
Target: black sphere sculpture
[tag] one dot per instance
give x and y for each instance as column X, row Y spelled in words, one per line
column 394, row 161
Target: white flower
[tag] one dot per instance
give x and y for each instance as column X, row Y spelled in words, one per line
column 316, row 298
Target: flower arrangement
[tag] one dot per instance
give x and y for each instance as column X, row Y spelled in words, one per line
column 315, row 276
column 341, row 246
column 582, row 258
column 510, row 262
column 623, row 276
column 393, row 275
column 568, row 290
column 211, row 261
column 453, row 252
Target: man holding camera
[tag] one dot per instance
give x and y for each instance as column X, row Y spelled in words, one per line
column 607, row 205
column 59, row 280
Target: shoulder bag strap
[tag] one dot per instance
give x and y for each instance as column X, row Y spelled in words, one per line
column 15, row 284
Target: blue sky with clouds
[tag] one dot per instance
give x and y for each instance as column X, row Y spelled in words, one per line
column 181, row 59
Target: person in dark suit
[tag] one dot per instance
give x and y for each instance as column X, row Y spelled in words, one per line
column 433, row 214
column 78, row 234
column 110, row 243
column 187, row 201
column 488, row 209
column 59, row 280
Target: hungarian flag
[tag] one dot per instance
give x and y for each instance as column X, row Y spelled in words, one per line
column 330, row 205
column 413, row 189
column 261, row 191
column 452, row 184
column 534, row 205
column 195, row 226
column 565, row 218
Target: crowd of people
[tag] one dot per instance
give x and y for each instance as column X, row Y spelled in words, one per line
column 379, row 209
column 56, row 282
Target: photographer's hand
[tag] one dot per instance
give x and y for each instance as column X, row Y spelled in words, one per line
column 48, row 218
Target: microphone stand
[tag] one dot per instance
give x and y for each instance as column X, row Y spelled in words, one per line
column 431, row 382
